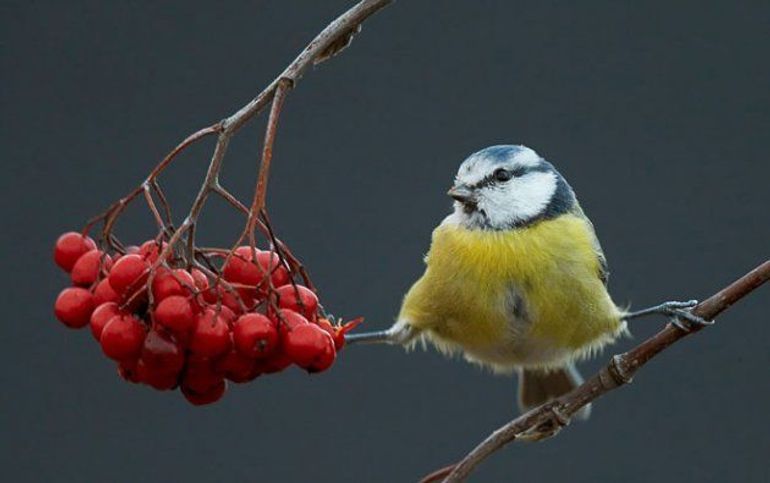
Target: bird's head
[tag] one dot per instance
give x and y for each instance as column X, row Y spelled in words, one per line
column 502, row 187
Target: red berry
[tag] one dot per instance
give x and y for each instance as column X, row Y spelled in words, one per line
column 195, row 361
column 242, row 269
column 218, row 293
column 150, row 250
column 86, row 269
column 310, row 347
column 228, row 314
column 287, row 320
column 174, row 282
column 175, row 313
column 122, row 337
column 201, row 281
column 201, row 284
column 275, row 363
column 160, row 350
column 332, row 331
column 104, row 293
column 101, row 315
column 325, row 358
column 161, row 360
column 127, row 370
column 254, row 335
column 201, row 374
column 249, row 297
column 128, row 274
column 211, row 334
column 69, row 247
column 270, row 261
column 239, row 268
column 74, row 306
column 299, row 299
column 210, row 295
column 136, row 302
column 200, row 398
column 155, row 377
column 132, row 249
column 327, row 326
column 237, row 367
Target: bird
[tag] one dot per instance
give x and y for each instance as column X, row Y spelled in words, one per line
column 516, row 279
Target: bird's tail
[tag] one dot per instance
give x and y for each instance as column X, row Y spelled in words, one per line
column 540, row 386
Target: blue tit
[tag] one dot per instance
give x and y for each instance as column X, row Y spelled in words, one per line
column 516, row 279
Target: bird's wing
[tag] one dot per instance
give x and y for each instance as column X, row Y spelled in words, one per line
column 604, row 272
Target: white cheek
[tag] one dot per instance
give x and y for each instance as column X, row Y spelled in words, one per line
column 458, row 216
column 519, row 199
column 461, row 218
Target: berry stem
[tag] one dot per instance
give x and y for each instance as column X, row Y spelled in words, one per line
column 260, row 191
column 330, row 41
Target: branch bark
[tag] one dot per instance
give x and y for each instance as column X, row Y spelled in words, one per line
column 619, row 371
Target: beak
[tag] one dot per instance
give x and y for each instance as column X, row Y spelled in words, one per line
column 461, row 193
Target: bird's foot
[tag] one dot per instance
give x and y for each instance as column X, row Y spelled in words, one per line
column 686, row 320
column 680, row 313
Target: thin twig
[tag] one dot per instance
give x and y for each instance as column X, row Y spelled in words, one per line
column 153, row 209
column 111, row 214
column 341, row 27
column 326, row 43
column 318, row 47
column 618, row 372
column 163, row 201
column 260, row 191
column 230, row 198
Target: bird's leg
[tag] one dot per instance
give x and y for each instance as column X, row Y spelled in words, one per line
column 680, row 313
column 400, row 333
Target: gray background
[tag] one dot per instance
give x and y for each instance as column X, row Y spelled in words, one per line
column 656, row 112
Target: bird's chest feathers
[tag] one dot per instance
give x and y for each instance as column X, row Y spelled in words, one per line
column 491, row 286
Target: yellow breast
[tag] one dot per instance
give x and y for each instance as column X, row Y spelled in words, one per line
column 464, row 297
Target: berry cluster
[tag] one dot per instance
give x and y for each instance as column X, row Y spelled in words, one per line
column 168, row 325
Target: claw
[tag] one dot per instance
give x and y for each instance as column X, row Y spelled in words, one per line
column 685, row 319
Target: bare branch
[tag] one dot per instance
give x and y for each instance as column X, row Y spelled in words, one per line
column 618, row 372
column 318, row 47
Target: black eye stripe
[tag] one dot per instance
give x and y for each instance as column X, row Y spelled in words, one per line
column 489, row 180
column 515, row 173
column 519, row 171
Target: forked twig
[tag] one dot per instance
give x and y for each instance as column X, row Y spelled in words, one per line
column 328, row 42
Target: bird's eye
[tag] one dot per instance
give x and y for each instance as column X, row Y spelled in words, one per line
column 503, row 175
